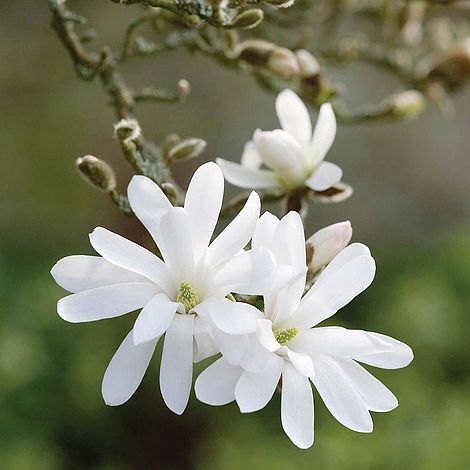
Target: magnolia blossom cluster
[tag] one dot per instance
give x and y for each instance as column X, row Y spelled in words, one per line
column 192, row 296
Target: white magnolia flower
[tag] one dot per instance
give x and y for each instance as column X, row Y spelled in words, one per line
column 193, row 272
column 293, row 156
column 282, row 345
column 327, row 242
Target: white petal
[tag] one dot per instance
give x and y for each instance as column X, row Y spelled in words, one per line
column 236, row 235
column 290, row 229
column 232, row 347
column 176, row 369
column 337, row 341
column 203, row 203
column 297, row 407
column 128, row 255
column 336, row 390
column 204, row 345
column 81, row 272
column 399, row 356
column 249, row 273
column 154, row 319
column 216, row 384
column 126, row 370
column 257, row 358
column 250, row 157
column 338, row 289
column 265, row 335
column 373, row 392
column 248, row 178
column 105, row 302
column 283, row 154
column 255, row 389
column 177, row 245
column 293, row 116
column 325, row 176
column 328, row 242
column 302, row 362
column 148, row 202
column 280, row 306
column 264, row 231
column 234, row 318
column 323, row 134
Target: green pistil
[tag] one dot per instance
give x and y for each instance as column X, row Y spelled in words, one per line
column 187, row 296
column 284, row 336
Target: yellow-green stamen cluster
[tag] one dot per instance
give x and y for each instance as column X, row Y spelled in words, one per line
column 284, row 336
column 187, row 296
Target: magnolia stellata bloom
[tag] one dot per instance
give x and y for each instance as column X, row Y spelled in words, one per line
column 193, row 272
column 293, row 156
column 326, row 243
column 284, row 345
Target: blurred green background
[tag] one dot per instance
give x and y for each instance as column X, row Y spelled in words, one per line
column 411, row 206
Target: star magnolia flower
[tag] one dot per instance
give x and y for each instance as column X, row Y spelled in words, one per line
column 293, row 156
column 290, row 351
column 170, row 292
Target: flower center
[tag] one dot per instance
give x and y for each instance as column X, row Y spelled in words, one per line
column 284, row 336
column 188, row 296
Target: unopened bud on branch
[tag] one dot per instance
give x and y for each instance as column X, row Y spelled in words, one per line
column 407, row 105
column 188, row 148
column 325, row 244
column 283, row 62
column 308, row 64
column 171, row 192
column 127, row 130
column 184, row 89
column 248, row 19
column 97, row 173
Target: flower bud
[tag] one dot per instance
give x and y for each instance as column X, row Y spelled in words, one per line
column 407, row 105
column 280, row 3
column 127, row 130
column 184, row 89
column 169, row 142
column 188, row 148
column 283, row 62
column 325, row 244
column 171, row 192
column 308, row 64
column 248, row 19
column 97, row 173
column 254, row 51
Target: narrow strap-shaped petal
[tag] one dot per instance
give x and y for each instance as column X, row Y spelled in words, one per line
column 282, row 154
column 177, row 244
column 400, row 354
column 339, row 396
column 204, row 345
column 216, row 384
column 338, row 290
column 148, row 202
column 250, row 157
column 128, row 255
column 323, row 134
column 254, row 390
column 249, row 178
column 339, row 342
column 203, row 203
column 264, row 231
column 236, row 235
column 250, row 273
column 297, row 407
column 176, row 368
column 105, row 302
column 154, row 319
column 126, row 370
column 302, row 362
column 293, row 116
column 235, row 318
column 344, row 256
column 325, row 176
column 375, row 394
column 81, row 272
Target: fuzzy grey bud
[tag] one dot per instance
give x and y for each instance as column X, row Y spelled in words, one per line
column 127, row 130
column 188, row 148
column 171, row 192
column 308, row 64
column 254, row 51
column 248, row 19
column 283, row 62
column 407, row 105
column 184, row 89
column 97, row 173
column 169, row 142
